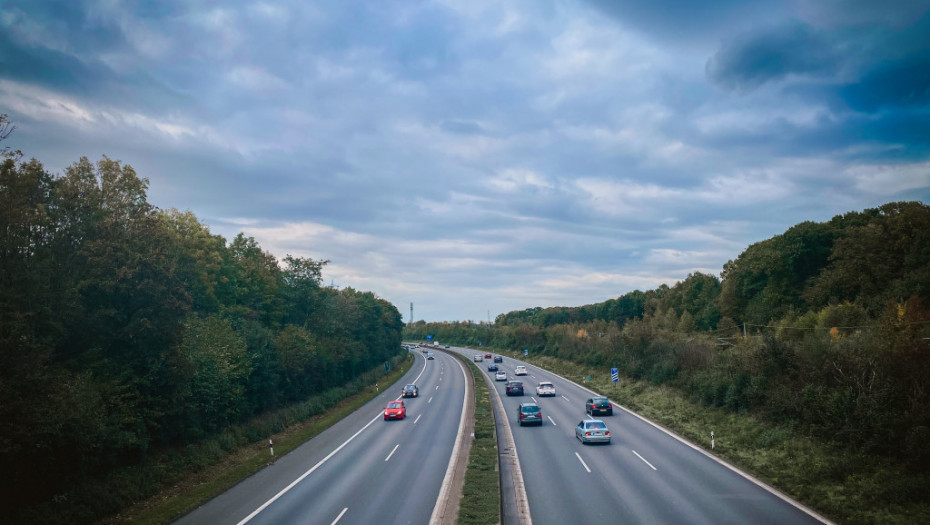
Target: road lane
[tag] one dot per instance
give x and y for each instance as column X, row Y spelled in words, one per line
column 356, row 485
column 665, row 481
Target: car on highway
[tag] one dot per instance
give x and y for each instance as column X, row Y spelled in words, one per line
column 492, row 367
column 545, row 388
column 514, row 388
column 395, row 410
column 430, row 356
column 410, row 390
column 598, row 405
column 447, row 346
column 478, row 358
column 500, row 376
column 488, row 356
column 520, row 370
column 498, row 359
column 592, row 431
column 529, row 414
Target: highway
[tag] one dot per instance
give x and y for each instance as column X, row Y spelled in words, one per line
column 644, row 476
column 363, row 469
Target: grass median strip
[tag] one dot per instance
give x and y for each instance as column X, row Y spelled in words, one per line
column 480, row 502
column 203, row 485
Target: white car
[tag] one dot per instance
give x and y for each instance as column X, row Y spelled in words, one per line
column 519, row 371
column 478, row 358
column 545, row 388
column 500, row 376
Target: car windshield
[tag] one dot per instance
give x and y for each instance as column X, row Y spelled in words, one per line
column 531, row 409
column 410, row 387
column 516, row 384
column 596, row 424
column 545, row 385
column 394, row 405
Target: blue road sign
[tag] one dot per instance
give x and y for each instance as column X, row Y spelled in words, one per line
column 429, row 338
column 614, row 375
column 479, row 343
column 526, row 352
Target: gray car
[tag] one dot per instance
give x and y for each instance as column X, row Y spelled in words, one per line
column 592, row 431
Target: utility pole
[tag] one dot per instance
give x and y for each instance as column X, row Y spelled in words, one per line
column 410, row 322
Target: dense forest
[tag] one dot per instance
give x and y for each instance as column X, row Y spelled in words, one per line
column 823, row 328
column 126, row 329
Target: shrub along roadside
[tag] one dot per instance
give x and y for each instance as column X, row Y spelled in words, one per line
column 203, row 472
column 480, row 502
column 844, row 485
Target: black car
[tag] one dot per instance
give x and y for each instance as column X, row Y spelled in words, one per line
column 492, row 367
column 514, row 388
column 498, row 359
column 410, row 390
column 598, row 406
column 529, row 414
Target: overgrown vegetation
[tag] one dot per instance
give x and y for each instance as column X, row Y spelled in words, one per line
column 196, row 485
column 820, row 331
column 481, row 502
column 126, row 331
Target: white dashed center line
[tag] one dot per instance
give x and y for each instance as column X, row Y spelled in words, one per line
column 551, row 420
column 392, row 452
column 644, row 460
column 583, row 464
column 417, row 419
column 339, row 517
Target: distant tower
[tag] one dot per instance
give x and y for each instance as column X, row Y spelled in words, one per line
column 411, row 314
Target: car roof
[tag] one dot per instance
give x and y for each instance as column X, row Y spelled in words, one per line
column 528, row 404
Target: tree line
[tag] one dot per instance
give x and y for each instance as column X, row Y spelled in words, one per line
column 822, row 328
column 127, row 329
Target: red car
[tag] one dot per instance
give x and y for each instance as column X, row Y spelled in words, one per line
column 395, row 410
column 488, row 356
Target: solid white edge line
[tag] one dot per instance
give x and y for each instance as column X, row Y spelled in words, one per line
column 319, row 463
column 417, row 419
column 398, row 445
column 644, row 460
column 768, row 488
column 339, row 517
column 583, row 464
column 450, row 469
column 553, row 422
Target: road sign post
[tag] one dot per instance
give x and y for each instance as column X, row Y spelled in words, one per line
column 614, row 375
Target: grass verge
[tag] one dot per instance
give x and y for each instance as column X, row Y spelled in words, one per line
column 198, row 487
column 844, row 485
column 481, row 503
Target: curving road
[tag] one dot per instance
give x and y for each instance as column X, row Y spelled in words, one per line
column 363, row 469
column 644, row 476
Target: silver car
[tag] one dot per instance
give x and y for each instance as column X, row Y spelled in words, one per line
column 500, row 376
column 592, row 431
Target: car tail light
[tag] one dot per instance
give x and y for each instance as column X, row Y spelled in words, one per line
column 587, row 433
column 522, row 416
column 607, row 433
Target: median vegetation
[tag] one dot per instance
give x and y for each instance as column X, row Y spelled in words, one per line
column 481, row 503
column 812, row 344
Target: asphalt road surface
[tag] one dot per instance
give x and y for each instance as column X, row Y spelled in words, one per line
column 363, row 470
column 644, row 476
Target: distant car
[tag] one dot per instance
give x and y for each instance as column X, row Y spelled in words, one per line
column 599, row 405
column 424, row 350
column 500, row 376
column 487, row 356
column 410, row 390
column 447, row 346
column 498, row 359
column 529, row 414
column 514, row 388
column 545, row 388
column 395, row 410
column 478, row 358
column 592, row 431
column 492, row 367
column 429, row 356
column 519, row 370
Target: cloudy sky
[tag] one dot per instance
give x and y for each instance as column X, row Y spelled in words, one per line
column 476, row 157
